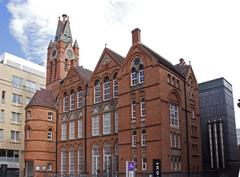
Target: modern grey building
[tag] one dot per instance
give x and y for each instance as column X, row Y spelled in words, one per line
column 219, row 140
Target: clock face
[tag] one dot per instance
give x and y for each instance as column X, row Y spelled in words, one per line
column 70, row 53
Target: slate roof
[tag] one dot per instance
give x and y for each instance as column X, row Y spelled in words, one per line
column 183, row 69
column 163, row 61
column 84, row 73
column 43, row 98
column 118, row 57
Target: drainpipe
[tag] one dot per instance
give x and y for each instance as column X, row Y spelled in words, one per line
column 56, row 139
column 85, row 128
column 186, row 117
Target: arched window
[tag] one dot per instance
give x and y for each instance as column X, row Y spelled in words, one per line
column 143, row 137
column 65, row 102
column 79, row 97
column 50, row 134
column 95, row 160
column 106, row 88
column 115, row 86
column 174, row 114
column 80, row 160
column 133, row 109
column 97, row 91
column 66, row 65
column 63, row 161
column 107, row 159
column 141, row 74
column 71, row 161
column 137, row 72
column 72, row 100
column 134, row 76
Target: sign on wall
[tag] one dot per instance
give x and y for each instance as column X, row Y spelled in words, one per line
column 156, row 168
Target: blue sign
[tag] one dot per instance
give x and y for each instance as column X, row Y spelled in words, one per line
column 131, row 166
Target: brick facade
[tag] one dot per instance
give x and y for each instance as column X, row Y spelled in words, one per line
column 144, row 129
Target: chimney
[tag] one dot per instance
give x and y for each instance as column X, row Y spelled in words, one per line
column 64, row 16
column 136, row 36
column 181, row 62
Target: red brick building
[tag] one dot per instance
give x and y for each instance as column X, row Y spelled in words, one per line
column 134, row 108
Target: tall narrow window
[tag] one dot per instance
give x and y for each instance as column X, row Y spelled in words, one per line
column 80, row 160
column 116, row 121
column 28, row 133
column 65, row 102
column 97, row 91
column 134, row 77
column 141, row 74
column 66, row 65
column 133, row 109
column 107, row 159
column 50, row 116
column 1, row 135
column 3, row 97
column 72, row 100
column 71, row 161
column 174, row 115
column 95, row 160
column 142, row 106
column 144, row 163
column 115, row 86
column 95, row 125
column 50, row 134
column 2, row 115
column 143, row 138
column 63, row 161
column 106, row 89
column 72, row 130
column 134, row 138
column 64, row 131
column 80, row 130
column 106, row 123
column 79, row 99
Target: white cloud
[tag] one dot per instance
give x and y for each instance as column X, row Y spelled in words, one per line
column 205, row 32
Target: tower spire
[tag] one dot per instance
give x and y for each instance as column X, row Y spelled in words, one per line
column 63, row 30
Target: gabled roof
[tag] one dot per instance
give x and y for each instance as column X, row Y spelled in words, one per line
column 84, row 73
column 162, row 60
column 118, row 57
column 43, row 98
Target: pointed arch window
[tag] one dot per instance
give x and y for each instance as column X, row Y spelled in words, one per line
column 174, row 115
column 65, row 102
column 134, row 76
column 115, row 86
column 97, row 91
column 72, row 100
column 141, row 74
column 106, row 88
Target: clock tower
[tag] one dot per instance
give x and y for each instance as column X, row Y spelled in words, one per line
column 61, row 54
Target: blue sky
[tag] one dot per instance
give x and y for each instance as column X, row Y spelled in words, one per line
column 207, row 33
column 8, row 42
